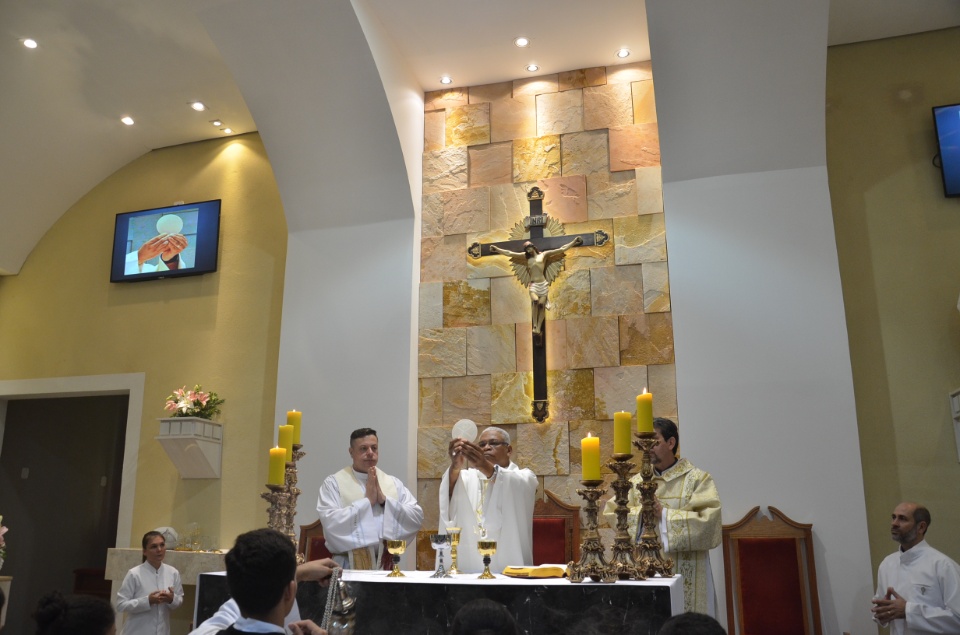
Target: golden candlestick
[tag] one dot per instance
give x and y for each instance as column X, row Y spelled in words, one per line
column 283, row 500
column 648, row 557
column 623, row 564
column 396, row 549
column 592, row 563
column 486, row 548
column 454, row 533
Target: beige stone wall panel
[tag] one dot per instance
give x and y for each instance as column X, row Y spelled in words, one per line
column 640, row 239
column 565, row 198
column 511, row 117
column 491, row 164
column 649, row 190
column 434, row 130
column 431, row 215
column 607, row 106
column 487, row 266
column 646, row 339
column 582, row 78
column 595, row 427
column 466, row 398
column 510, row 398
column 491, row 349
column 430, row 402
column 585, row 152
column 569, row 295
column 663, row 385
column 428, row 495
column 616, row 389
column 489, row 93
column 565, row 487
column 544, row 448
column 592, row 342
column 431, row 305
column 466, row 302
column 468, row 125
column 617, row 290
column 443, row 353
column 633, row 72
column 536, row 158
column 445, row 170
column 509, row 204
column 466, row 210
column 443, row 258
column 644, row 104
column 588, row 257
column 656, row 288
column 432, row 457
column 571, row 394
column 509, row 301
column 444, row 98
column 559, row 113
column 536, row 86
column 611, row 194
column 636, row 146
column 556, row 345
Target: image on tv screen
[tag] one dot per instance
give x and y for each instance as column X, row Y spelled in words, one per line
column 156, row 231
column 947, row 120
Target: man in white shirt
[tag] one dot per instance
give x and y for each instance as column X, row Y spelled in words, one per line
column 918, row 588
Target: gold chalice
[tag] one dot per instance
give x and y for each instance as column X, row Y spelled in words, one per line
column 396, row 549
column 454, row 533
column 486, row 548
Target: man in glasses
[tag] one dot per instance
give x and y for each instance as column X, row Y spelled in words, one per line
column 489, row 498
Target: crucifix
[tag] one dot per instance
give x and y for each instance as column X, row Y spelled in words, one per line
column 536, row 250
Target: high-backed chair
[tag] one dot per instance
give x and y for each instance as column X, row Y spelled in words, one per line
column 556, row 531
column 770, row 576
column 312, row 543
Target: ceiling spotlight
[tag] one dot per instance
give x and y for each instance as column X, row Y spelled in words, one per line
column 227, row 130
column 446, row 79
column 522, row 42
column 533, row 68
column 217, row 122
column 198, row 106
column 622, row 53
column 29, row 43
column 127, row 120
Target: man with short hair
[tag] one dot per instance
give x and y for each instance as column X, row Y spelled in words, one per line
column 261, row 575
column 918, row 588
column 485, row 494
column 361, row 506
column 691, row 624
column 687, row 507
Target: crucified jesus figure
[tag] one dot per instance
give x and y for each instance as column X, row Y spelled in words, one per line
column 537, row 269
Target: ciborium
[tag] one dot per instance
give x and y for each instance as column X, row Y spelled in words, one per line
column 440, row 542
column 454, row 533
column 396, row 549
column 486, row 548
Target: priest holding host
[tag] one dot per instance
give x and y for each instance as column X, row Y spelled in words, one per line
column 488, row 497
column 361, row 506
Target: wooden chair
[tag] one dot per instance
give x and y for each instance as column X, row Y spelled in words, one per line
column 770, row 576
column 312, row 543
column 556, row 531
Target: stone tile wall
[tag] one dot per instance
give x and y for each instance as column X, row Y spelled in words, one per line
column 589, row 139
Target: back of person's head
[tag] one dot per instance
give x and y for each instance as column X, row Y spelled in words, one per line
column 73, row 615
column 260, row 567
column 484, row 617
column 691, row 624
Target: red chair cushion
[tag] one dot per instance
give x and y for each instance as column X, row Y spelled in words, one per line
column 549, row 541
column 770, row 586
column 318, row 548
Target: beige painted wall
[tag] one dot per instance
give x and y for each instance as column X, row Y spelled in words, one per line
column 62, row 317
column 899, row 249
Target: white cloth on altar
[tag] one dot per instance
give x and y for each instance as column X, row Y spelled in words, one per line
column 351, row 522
column 507, row 515
column 930, row 583
column 134, row 598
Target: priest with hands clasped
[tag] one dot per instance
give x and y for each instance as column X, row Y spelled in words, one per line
column 485, row 494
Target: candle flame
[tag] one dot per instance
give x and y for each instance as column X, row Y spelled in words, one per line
column 644, row 390
column 589, row 434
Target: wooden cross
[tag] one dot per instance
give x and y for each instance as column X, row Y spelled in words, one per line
column 550, row 251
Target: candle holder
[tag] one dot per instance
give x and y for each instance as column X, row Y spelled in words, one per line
column 649, row 560
column 623, row 564
column 592, row 563
column 283, row 500
column 454, row 533
column 278, row 498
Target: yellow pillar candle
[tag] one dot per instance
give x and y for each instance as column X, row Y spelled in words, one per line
column 590, row 457
column 621, row 432
column 275, row 474
column 645, row 412
column 285, row 440
column 294, row 419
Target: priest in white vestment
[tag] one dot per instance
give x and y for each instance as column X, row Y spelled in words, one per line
column 485, row 494
column 688, row 511
column 918, row 588
column 361, row 506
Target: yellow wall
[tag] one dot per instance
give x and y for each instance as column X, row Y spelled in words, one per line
column 61, row 316
column 899, row 247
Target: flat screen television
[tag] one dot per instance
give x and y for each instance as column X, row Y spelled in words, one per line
column 946, row 120
column 166, row 242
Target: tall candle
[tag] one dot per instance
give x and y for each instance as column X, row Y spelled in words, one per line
column 285, row 440
column 294, row 419
column 590, row 457
column 621, row 432
column 645, row 412
column 275, row 474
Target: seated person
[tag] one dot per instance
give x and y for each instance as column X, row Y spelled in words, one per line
column 74, row 615
column 484, row 617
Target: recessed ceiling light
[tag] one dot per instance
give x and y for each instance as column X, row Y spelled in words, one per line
column 217, row 122
column 624, row 52
column 127, row 120
column 227, row 130
column 29, row 43
column 198, row 106
column 522, row 42
column 446, row 79
column 533, row 68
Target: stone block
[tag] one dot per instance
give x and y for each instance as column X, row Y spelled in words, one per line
column 428, row 496
column 535, row 86
column 511, row 117
column 487, row 266
column 636, row 146
column 509, row 301
column 434, row 130
column 565, row 198
column 616, row 389
column 617, row 290
column 544, row 448
column 640, row 239
column 559, row 113
column 445, row 169
column 536, row 158
column 571, row 394
column 431, row 305
column 607, row 106
column 509, row 204
column 582, row 78
column 644, row 103
column 594, row 255
column 491, row 164
column 491, row 349
column 584, row 152
column 556, row 344
column 468, row 125
column 593, row 341
column 649, row 190
column 633, row 72
column 432, row 456
column 442, row 353
column 430, row 402
column 565, row 487
column 489, row 93
column 466, row 302
column 431, row 215
column 466, row 398
column 444, row 98
column 443, row 258
column 646, row 339
column 611, row 194
column 466, row 210
column 663, row 384
column 656, row 288
column 569, row 295
column 511, row 394
column 593, row 427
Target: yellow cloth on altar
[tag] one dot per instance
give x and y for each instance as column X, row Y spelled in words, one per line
column 543, row 571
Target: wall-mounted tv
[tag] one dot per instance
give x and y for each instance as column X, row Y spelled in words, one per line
column 946, row 120
column 166, row 242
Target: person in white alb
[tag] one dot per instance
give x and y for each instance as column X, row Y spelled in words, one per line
column 918, row 588
column 361, row 506
column 150, row 591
